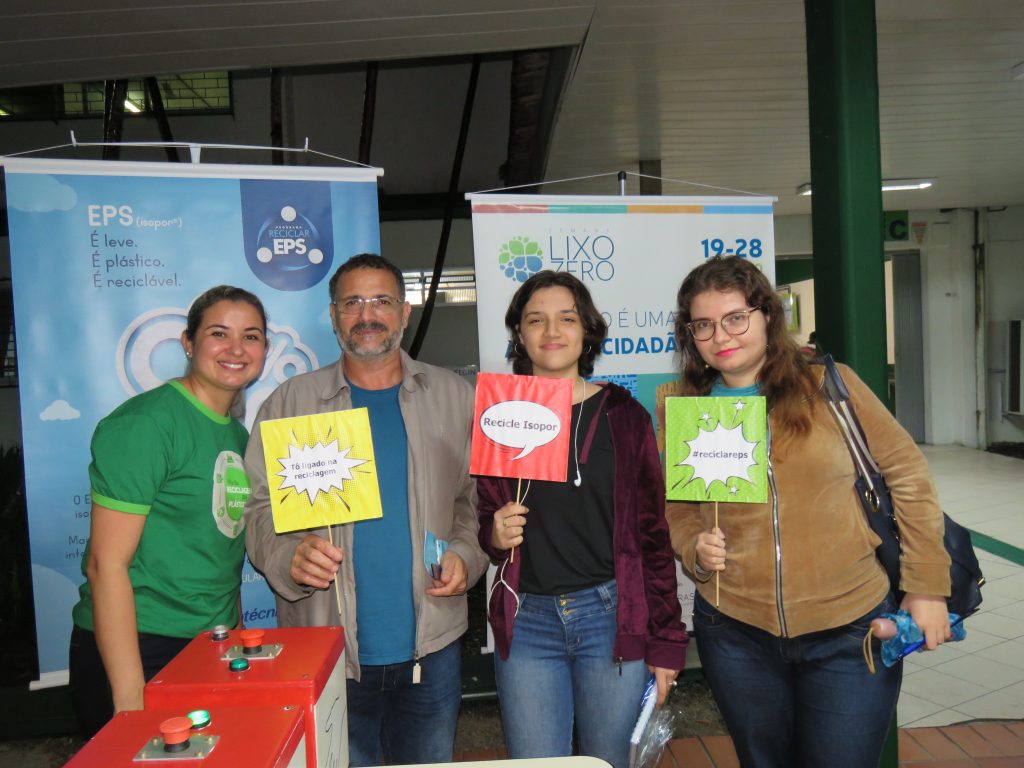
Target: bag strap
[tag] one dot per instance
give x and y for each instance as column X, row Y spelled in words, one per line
column 838, row 398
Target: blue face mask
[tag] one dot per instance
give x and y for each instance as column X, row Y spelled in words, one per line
column 433, row 549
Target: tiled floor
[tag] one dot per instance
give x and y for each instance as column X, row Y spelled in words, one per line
column 990, row 745
column 983, row 676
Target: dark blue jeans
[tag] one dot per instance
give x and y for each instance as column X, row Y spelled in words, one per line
column 389, row 715
column 798, row 701
column 90, row 688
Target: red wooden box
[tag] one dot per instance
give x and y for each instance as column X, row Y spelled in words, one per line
column 308, row 670
column 256, row 737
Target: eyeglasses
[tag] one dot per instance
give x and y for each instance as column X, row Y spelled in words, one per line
column 735, row 324
column 353, row 305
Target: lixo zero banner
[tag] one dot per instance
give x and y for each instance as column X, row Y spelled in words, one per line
column 632, row 254
column 106, row 258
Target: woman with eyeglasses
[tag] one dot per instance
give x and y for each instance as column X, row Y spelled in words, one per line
column 799, row 582
column 168, row 485
column 586, row 610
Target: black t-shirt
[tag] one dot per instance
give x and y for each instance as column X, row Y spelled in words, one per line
column 567, row 544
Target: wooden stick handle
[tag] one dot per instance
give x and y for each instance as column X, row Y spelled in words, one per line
column 337, row 589
column 519, row 500
column 717, row 573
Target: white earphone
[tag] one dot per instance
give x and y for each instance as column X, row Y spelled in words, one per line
column 575, row 438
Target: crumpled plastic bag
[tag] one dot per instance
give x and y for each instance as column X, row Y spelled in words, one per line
column 653, row 730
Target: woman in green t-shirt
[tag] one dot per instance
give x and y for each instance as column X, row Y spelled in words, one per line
column 168, row 494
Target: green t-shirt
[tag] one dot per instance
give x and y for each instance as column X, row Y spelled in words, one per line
column 165, row 455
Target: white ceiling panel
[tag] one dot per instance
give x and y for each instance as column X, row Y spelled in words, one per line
column 716, row 90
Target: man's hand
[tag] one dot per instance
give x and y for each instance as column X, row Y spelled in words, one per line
column 454, row 577
column 315, row 562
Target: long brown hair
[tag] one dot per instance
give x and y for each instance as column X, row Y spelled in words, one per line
column 786, row 379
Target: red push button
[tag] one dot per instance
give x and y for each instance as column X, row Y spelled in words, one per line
column 252, row 641
column 175, row 731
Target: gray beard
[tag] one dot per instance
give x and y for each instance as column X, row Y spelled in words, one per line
column 390, row 345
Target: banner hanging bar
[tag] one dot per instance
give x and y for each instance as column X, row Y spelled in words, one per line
column 194, row 147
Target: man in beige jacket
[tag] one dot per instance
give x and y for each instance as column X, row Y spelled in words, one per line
column 401, row 622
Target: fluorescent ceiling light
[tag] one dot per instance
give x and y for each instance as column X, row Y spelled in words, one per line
column 1018, row 71
column 888, row 185
column 131, row 106
column 893, row 185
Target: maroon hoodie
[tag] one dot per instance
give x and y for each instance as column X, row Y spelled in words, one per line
column 649, row 617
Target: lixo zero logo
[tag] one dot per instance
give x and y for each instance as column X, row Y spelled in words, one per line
column 520, row 257
column 586, row 254
column 288, row 231
column 149, row 353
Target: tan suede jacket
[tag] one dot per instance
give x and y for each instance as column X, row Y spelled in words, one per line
column 805, row 561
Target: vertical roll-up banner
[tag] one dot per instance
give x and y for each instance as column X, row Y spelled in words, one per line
column 632, row 253
column 106, row 258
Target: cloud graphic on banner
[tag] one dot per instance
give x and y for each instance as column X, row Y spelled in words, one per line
column 317, row 469
column 39, row 193
column 520, row 424
column 720, row 454
column 149, row 353
column 59, row 410
column 287, row 355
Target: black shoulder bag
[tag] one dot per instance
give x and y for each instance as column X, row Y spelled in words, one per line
column 965, row 574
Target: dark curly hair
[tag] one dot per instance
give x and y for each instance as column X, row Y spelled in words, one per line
column 594, row 327
column 785, row 378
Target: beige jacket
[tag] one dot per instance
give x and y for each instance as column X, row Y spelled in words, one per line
column 437, row 407
column 805, row 561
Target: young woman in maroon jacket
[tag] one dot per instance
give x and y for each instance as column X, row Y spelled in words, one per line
column 587, row 610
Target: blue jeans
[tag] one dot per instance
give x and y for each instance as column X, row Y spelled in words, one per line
column 406, row 723
column 561, row 665
column 798, row 701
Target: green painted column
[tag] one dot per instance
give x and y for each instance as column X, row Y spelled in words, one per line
column 846, row 207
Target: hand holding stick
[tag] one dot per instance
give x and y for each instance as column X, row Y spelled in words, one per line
column 711, row 553
column 508, row 526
